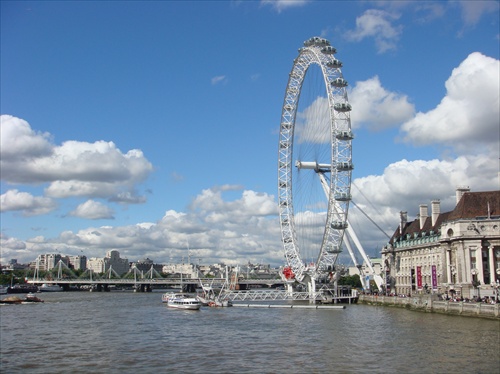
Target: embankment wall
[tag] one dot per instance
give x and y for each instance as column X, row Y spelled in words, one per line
column 431, row 304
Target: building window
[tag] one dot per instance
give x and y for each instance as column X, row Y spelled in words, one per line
column 473, row 261
column 486, row 266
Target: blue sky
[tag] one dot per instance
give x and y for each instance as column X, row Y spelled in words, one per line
column 151, row 127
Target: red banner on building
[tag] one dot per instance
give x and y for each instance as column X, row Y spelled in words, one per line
column 419, row 277
column 434, row 278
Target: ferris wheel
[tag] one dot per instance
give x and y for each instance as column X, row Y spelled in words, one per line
column 314, row 162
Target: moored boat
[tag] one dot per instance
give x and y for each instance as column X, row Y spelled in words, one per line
column 11, row 300
column 24, row 288
column 181, row 301
column 50, row 288
column 30, row 298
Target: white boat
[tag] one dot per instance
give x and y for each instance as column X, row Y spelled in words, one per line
column 181, row 301
column 50, row 288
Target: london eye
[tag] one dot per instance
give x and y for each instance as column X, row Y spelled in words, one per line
column 314, row 163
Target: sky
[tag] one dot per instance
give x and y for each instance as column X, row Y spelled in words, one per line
column 152, row 127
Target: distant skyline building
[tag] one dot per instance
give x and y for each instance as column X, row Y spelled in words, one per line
column 47, row 261
column 77, row 262
column 112, row 260
column 96, row 265
column 145, row 264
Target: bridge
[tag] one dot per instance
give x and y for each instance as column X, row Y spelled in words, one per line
column 63, row 276
column 269, row 289
column 235, row 289
column 147, row 284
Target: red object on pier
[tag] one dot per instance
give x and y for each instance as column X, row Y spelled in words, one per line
column 288, row 272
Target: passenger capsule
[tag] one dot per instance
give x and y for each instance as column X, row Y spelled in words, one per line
column 316, row 40
column 344, row 135
column 345, row 166
column 328, row 50
column 342, row 107
column 334, row 64
column 333, row 249
column 338, row 225
column 343, row 196
column 339, row 82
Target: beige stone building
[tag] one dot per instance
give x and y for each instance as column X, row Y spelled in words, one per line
column 455, row 253
column 112, row 261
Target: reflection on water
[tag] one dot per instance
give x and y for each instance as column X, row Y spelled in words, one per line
column 121, row 332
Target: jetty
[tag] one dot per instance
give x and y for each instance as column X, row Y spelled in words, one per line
column 286, row 306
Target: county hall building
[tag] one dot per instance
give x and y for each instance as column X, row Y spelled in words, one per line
column 455, row 253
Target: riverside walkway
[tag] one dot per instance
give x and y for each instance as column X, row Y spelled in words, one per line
column 430, row 304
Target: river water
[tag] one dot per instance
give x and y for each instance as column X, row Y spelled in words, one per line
column 126, row 332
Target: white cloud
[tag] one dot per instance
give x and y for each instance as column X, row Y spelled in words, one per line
column 214, row 228
column 467, row 118
column 378, row 108
column 29, row 205
column 19, row 141
column 428, row 11
column 218, row 79
column 72, row 169
column 405, row 185
column 11, row 244
column 377, row 24
column 472, row 11
column 14, row 248
column 281, row 5
column 251, row 204
column 374, row 107
column 127, row 197
column 466, row 121
column 92, row 210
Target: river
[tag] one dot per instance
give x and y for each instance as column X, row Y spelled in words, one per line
column 126, row 332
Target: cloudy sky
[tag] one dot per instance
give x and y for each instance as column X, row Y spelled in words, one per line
column 152, row 127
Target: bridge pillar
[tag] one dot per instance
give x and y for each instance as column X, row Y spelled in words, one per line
column 145, row 288
column 311, row 288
